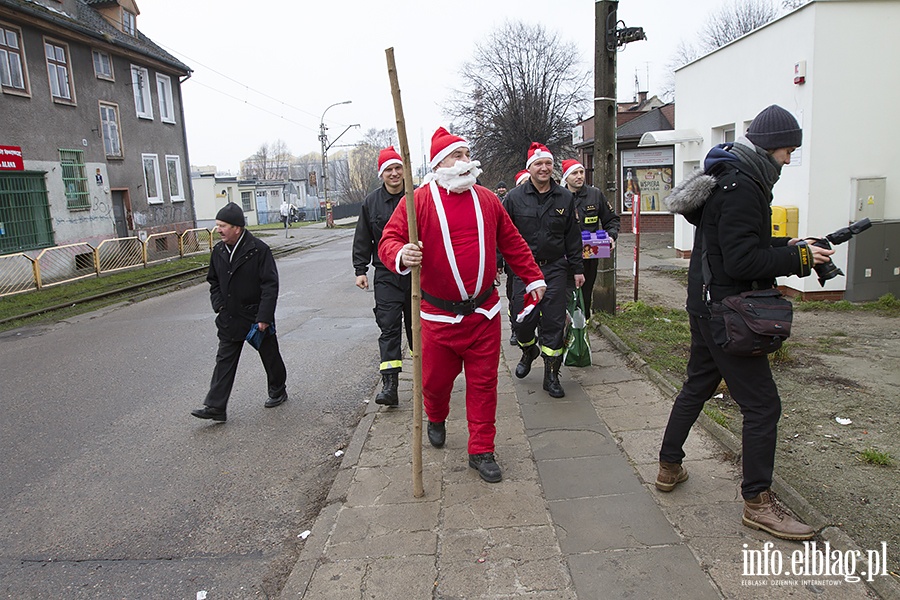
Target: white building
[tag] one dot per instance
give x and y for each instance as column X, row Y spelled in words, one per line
column 833, row 64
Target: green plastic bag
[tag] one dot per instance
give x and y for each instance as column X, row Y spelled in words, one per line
column 578, row 346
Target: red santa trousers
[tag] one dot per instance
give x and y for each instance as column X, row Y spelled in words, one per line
column 446, row 347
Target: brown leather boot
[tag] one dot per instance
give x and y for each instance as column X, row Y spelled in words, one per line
column 766, row 512
column 670, row 475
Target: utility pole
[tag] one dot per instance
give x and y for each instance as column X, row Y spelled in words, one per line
column 605, row 110
column 610, row 35
column 323, row 137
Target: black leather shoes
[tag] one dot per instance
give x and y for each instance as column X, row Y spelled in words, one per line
column 529, row 353
column 276, row 401
column 437, row 434
column 487, row 466
column 513, row 340
column 216, row 414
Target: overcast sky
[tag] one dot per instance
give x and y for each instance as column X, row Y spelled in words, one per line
column 267, row 69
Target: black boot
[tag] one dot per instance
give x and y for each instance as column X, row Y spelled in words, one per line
column 529, row 353
column 551, row 376
column 388, row 394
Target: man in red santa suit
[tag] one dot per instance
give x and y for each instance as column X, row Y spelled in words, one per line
column 461, row 226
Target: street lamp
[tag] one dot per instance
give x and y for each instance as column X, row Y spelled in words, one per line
column 323, row 137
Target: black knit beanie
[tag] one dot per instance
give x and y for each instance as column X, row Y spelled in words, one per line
column 775, row 128
column 232, row 214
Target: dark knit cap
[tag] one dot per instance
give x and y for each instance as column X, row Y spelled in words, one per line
column 501, row 184
column 232, row 214
column 775, row 128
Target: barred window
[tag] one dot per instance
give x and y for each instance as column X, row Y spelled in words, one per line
column 74, row 178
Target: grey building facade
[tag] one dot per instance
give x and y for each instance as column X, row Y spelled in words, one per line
column 94, row 110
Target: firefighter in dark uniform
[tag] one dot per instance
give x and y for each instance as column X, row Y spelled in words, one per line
column 392, row 292
column 544, row 213
column 594, row 213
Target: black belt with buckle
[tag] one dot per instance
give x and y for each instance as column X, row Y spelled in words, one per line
column 463, row 307
column 545, row 262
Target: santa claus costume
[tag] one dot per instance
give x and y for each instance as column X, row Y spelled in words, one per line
column 461, row 227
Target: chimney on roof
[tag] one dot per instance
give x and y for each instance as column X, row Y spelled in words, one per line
column 642, row 97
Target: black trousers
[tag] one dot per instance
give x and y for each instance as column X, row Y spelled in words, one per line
column 750, row 383
column 393, row 306
column 227, row 358
column 550, row 313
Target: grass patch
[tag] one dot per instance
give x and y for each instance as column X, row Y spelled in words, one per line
column 887, row 305
column 679, row 274
column 875, row 457
column 661, row 336
column 716, row 415
column 18, row 304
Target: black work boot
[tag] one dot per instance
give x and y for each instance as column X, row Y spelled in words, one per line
column 551, row 376
column 437, row 433
column 388, row 394
column 529, row 353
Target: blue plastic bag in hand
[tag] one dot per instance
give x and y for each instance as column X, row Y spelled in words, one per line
column 256, row 336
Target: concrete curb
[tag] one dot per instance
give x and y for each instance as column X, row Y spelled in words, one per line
column 887, row 588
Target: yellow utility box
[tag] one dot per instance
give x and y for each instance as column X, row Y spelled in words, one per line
column 784, row 221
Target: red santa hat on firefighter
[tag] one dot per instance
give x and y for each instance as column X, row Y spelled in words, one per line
column 536, row 151
column 388, row 157
column 569, row 165
column 522, row 176
column 443, row 143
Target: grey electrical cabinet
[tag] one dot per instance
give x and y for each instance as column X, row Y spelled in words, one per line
column 874, row 262
column 868, row 196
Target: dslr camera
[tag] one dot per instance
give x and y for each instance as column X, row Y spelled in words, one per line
column 828, row 270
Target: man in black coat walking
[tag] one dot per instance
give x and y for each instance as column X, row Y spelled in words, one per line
column 729, row 205
column 393, row 292
column 243, row 289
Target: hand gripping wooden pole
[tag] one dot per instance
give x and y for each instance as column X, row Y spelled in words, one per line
column 418, row 488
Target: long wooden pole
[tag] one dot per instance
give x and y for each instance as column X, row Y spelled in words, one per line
column 418, row 487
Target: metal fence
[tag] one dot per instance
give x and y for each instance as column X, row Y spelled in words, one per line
column 61, row 264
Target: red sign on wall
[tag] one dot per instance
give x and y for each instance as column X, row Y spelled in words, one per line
column 11, row 158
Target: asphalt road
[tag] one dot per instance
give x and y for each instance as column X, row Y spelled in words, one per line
column 110, row 489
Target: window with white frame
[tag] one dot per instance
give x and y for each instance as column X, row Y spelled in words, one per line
column 140, row 81
column 61, row 87
column 13, row 74
column 152, row 182
column 173, row 173
column 103, row 65
column 164, row 91
column 247, row 201
column 109, row 126
column 129, row 22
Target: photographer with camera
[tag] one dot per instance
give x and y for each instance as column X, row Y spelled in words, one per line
column 729, row 203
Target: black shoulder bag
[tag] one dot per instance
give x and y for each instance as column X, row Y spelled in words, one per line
column 752, row 323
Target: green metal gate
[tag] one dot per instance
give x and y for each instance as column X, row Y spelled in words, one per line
column 25, row 222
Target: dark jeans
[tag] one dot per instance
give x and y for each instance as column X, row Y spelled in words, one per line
column 227, row 358
column 750, row 383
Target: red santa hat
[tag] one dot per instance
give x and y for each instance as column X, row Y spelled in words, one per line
column 388, row 157
column 527, row 307
column 443, row 143
column 522, row 176
column 536, row 151
column 569, row 165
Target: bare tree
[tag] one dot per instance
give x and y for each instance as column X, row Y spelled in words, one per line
column 270, row 161
column 727, row 23
column 523, row 84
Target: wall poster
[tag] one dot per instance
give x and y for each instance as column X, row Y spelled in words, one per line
column 649, row 173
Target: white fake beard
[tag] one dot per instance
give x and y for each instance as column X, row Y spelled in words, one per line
column 458, row 178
